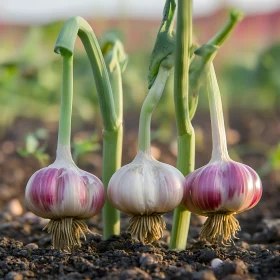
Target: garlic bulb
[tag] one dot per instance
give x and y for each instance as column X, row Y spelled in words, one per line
column 65, row 194
column 223, row 187
column 219, row 190
column 146, row 189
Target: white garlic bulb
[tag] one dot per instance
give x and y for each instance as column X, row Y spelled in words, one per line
column 146, row 189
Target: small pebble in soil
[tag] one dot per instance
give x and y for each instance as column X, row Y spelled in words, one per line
column 14, row 208
column 31, row 246
column 30, row 218
column 146, row 260
column 216, row 263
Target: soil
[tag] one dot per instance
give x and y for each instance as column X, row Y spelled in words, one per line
column 26, row 252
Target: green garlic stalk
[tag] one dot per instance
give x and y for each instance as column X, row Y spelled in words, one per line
column 189, row 76
column 116, row 60
column 62, row 192
column 147, row 188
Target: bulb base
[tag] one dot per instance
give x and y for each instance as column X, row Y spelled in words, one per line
column 220, row 227
column 146, row 228
column 66, row 232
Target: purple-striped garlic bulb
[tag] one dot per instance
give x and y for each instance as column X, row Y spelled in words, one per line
column 146, row 189
column 66, row 195
column 223, row 187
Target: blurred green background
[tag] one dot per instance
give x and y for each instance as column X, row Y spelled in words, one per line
column 248, row 69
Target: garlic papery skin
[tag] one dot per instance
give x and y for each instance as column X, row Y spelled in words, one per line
column 223, row 187
column 146, row 189
column 65, row 194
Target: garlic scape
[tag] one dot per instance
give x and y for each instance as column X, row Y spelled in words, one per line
column 62, row 192
column 147, row 188
column 223, row 187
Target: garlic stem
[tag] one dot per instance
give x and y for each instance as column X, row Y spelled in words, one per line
column 77, row 26
column 186, row 135
column 112, row 125
column 148, row 106
column 219, row 140
column 64, row 130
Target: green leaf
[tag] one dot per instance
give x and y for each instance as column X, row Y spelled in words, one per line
column 86, row 146
column 165, row 42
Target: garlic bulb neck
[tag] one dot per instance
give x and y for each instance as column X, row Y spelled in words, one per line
column 149, row 105
column 63, row 157
column 64, row 130
column 219, row 140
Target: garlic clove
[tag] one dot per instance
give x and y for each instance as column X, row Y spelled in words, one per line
column 40, row 193
column 257, row 189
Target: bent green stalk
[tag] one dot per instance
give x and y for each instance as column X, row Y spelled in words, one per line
column 116, row 61
column 151, row 101
column 64, row 129
column 112, row 132
column 204, row 55
column 186, row 140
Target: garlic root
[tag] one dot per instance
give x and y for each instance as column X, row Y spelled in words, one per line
column 146, row 228
column 66, row 232
column 220, row 228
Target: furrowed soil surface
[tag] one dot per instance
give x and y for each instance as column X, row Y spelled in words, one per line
column 26, row 252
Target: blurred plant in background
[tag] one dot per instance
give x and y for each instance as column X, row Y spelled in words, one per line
column 35, row 145
column 260, row 77
column 30, row 87
column 83, row 146
column 29, row 81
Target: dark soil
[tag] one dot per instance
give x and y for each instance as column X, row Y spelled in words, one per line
column 26, row 253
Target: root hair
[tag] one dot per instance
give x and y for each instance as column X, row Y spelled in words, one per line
column 146, row 228
column 220, row 228
column 66, row 232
